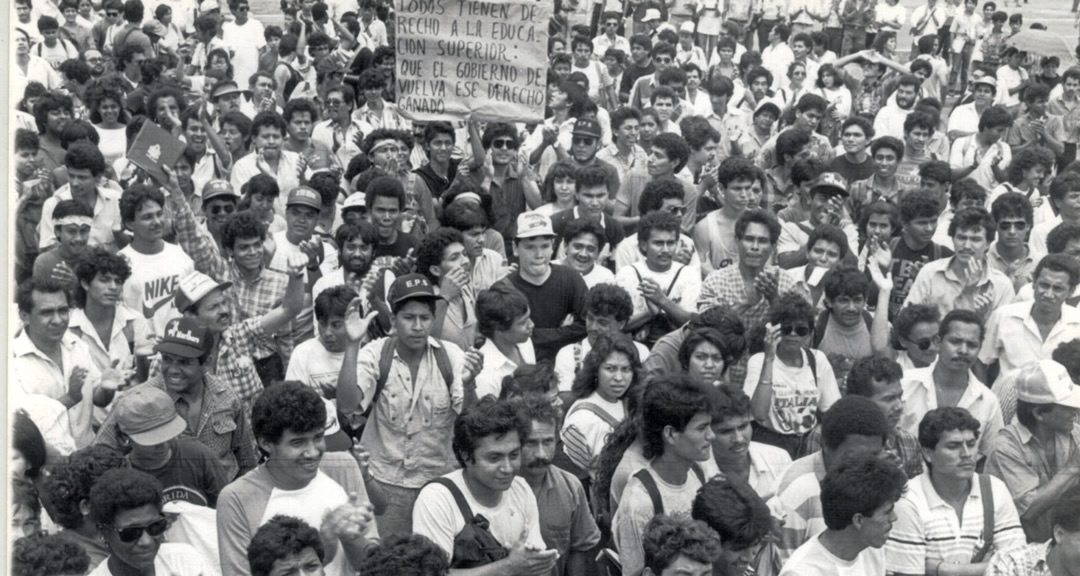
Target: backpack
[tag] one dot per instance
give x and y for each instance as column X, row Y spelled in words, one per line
column 386, row 358
column 295, row 78
column 647, row 480
column 474, row 546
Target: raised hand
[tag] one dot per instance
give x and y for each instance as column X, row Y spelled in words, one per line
column 883, row 280
column 76, row 381
column 452, row 283
column 474, row 364
column 355, row 324
column 772, row 339
column 63, row 274
column 114, row 378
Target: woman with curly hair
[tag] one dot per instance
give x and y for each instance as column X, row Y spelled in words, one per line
column 610, row 370
column 109, row 118
column 1025, row 175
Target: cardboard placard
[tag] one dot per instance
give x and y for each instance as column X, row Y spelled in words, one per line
column 462, row 57
column 153, row 148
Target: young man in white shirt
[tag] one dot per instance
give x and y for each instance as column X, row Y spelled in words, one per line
column 858, row 501
column 487, row 445
column 503, row 317
column 317, row 362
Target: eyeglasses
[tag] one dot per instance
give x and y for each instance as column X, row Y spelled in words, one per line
column 334, row 102
column 923, row 345
column 677, row 210
column 112, row 14
column 800, row 330
column 504, row 144
column 584, row 141
column 219, row 208
column 1018, row 226
column 133, row 533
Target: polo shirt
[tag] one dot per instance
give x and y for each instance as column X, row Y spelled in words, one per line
column 1013, row 338
column 920, row 397
column 938, row 285
column 628, row 253
column 927, row 528
column 800, row 505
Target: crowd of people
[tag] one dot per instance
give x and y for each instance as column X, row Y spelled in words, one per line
column 762, row 294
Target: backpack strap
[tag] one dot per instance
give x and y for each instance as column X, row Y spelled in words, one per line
column 988, row 518
column 674, row 280
column 462, row 504
column 442, row 360
column 649, row 483
column 696, row 469
column 386, row 359
column 819, row 328
column 600, row 412
column 811, row 361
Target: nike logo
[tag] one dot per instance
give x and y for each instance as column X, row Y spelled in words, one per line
column 150, row 311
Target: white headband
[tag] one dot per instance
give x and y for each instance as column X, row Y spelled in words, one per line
column 467, row 196
column 74, row 219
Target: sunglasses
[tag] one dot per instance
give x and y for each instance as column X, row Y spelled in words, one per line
column 112, row 14
column 1018, row 226
column 923, row 345
column 677, row 210
column 132, row 533
column 504, row 144
column 584, row 141
column 800, row 330
column 219, row 208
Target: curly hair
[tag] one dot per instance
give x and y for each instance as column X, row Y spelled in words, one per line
column 728, row 402
column 535, row 408
column 501, row 130
column 946, row 419
column 243, row 225
column 738, row 515
column 267, row 119
column 1059, row 263
column 99, row 92
column 845, row 281
column 920, row 119
column 870, row 369
column 731, row 345
column 49, row 102
column 852, row 416
column 85, row 156
column 430, row 252
column 281, row 537
column 579, row 226
column 829, row 233
column 299, row 106
column 918, row 204
column 406, row 555
column 758, row 216
column 669, row 400
column 674, row 147
column 859, row 486
column 1027, row 159
column 1057, row 240
column 659, row 221
column 792, row 307
column 465, row 217
column 937, row 170
column 333, row 301
column 137, row 195
column 790, row 143
column 48, row 555
column 529, row 379
column 698, row 132
column 287, row 406
column 967, row 189
column 70, row 482
column 498, row 307
column 667, row 538
column 736, row 168
column 889, row 142
column 160, row 93
column 995, row 117
column 587, row 379
column 122, row 489
column 609, row 300
column 98, row 260
column 1012, row 205
column 489, row 417
column 973, row 218
column 656, row 191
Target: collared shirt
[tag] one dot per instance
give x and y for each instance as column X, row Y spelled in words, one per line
column 1022, row 133
column 342, row 142
column 1069, row 112
column 776, row 59
column 767, row 463
column 235, row 364
column 497, row 366
column 32, row 372
column 1013, row 338
column 920, row 397
column 938, row 285
column 566, row 523
column 602, row 43
column 287, row 175
column 106, row 218
column 927, row 528
column 819, row 148
column 1023, row 463
column 966, row 151
column 409, row 430
column 222, row 425
column 725, row 287
column 623, row 164
column 259, row 296
column 388, row 118
column 130, row 335
column 1029, row 560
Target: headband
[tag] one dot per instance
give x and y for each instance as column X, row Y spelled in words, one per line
column 74, row 219
column 467, row 196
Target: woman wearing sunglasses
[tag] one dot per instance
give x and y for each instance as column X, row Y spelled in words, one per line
column 915, row 336
column 126, row 504
column 789, row 384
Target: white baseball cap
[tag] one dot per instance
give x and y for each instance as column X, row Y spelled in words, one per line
column 1047, row 382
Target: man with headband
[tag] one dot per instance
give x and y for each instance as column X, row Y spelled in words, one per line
column 71, row 223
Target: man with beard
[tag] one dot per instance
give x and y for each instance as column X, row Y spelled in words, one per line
column 890, row 119
column 356, row 243
column 72, row 221
column 96, row 60
column 487, row 444
column 339, row 132
column 156, row 265
column 298, row 478
column 950, row 381
column 211, row 412
column 52, row 112
column 565, row 521
column 1011, row 342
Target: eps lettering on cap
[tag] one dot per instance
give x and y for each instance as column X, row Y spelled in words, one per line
column 413, row 283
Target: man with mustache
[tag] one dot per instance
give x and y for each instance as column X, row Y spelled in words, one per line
column 560, row 496
column 950, row 381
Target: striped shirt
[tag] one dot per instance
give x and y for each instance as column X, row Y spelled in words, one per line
column 1027, row 561
column 927, row 528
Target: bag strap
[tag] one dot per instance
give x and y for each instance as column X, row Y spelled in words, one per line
column 607, row 418
column 988, row 518
column 442, row 360
column 819, row 327
column 696, row 469
column 649, row 483
column 462, row 504
column 811, row 360
column 386, row 359
column 674, row 280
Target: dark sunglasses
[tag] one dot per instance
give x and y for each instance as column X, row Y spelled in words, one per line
column 584, row 141
column 1018, row 226
column 219, row 208
column 800, row 330
column 133, row 533
column 923, row 345
column 504, row 144
column 112, row 14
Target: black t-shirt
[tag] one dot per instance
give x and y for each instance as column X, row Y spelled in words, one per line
column 850, row 171
column 193, row 475
column 905, row 267
column 561, row 295
column 632, row 73
column 400, row 248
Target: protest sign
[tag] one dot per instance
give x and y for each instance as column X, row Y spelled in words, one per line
column 470, row 57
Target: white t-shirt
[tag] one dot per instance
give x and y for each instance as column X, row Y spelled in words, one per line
column 568, row 361
column 314, row 365
column 584, row 432
column 244, row 42
column 149, row 290
column 173, row 559
column 636, row 509
column 796, row 397
column 310, row 504
column 681, row 283
column 812, row 559
column 1008, row 78
column 436, row 514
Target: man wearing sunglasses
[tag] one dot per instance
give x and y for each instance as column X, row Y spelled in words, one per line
column 610, row 37
column 127, row 506
column 1010, row 254
column 243, row 37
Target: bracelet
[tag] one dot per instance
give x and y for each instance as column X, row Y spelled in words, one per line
column 764, row 382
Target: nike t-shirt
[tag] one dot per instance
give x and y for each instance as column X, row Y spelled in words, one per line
column 153, row 280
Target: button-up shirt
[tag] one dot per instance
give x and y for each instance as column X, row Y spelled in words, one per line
column 623, row 164
column 725, row 287
column 1024, row 464
column 902, row 449
column 497, row 366
column 106, row 218
column 388, row 118
column 920, row 397
column 1013, row 338
column 1029, row 560
column 1069, row 112
column 409, row 430
column 565, row 521
column 340, row 141
column 938, row 285
column 287, row 175
column 1021, row 271
column 602, row 43
column 33, row 372
column 259, row 296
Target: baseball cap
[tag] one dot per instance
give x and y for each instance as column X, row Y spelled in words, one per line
column 411, row 286
column 217, row 188
column 224, row 88
column 148, row 416
column 354, row 201
column 532, row 224
column 304, row 196
column 830, row 180
column 1047, row 382
column 767, row 105
column 987, row 80
column 687, row 27
column 650, row 15
column 186, row 338
column 194, row 287
column 587, row 127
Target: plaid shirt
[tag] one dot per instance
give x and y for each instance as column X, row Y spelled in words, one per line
column 223, row 425
column 901, row 449
column 725, row 287
column 1029, row 560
